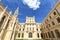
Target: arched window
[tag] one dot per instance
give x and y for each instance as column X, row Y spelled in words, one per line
column 1, row 22
column 30, row 35
column 52, row 34
column 54, row 13
column 30, row 28
column 38, row 35
column 27, row 28
column 42, row 35
column 37, row 29
column 23, row 29
column 46, row 35
column 49, row 34
column 53, row 23
column 57, row 33
column 58, row 19
column 20, row 29
column 18, row 34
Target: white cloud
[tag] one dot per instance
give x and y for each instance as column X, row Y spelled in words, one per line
column 34, row 4
column 0, row 0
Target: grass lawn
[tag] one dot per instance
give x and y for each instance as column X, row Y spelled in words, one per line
column 29, row 39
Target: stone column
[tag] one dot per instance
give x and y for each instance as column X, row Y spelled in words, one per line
column 1, row 15
column 4, row 26
column 13, row 36
column 11, row 26
column 55, row 35
column 10, row 29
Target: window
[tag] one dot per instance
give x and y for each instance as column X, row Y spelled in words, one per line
column 50, row 17
column 46, row 35
column 38, row 35
column 47, row 19
column 18, row 34
column 42, row 35
column 22, row 35
column 37, row 29
column 20, row 29
column 57, row 33
column 54, row 13
column 49, row 35
column 52, row 34
column 33, row 24
column 1, row 22
column 58, row 19
column 33, row 28
column 27, row 28
column 30, row 28
column 49, row 25
column 30, row 24
column 23, row 29
column 30, row 35
column 53, row 23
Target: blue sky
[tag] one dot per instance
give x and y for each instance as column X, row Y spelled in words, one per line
column 37, row 8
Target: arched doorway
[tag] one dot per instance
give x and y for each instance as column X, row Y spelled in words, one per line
column 30, row 35
column 57, row 33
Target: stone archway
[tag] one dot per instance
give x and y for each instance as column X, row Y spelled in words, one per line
column 30, row 35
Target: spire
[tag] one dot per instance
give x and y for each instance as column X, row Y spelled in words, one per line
column 10, row 12
column 9, row 15
column 16, row 12
column 1, row 15
column 3, row 11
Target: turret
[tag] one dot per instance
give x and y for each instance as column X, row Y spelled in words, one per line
column 16, row 12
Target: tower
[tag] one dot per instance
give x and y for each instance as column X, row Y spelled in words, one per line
column 30, row 19
column 10, row 32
